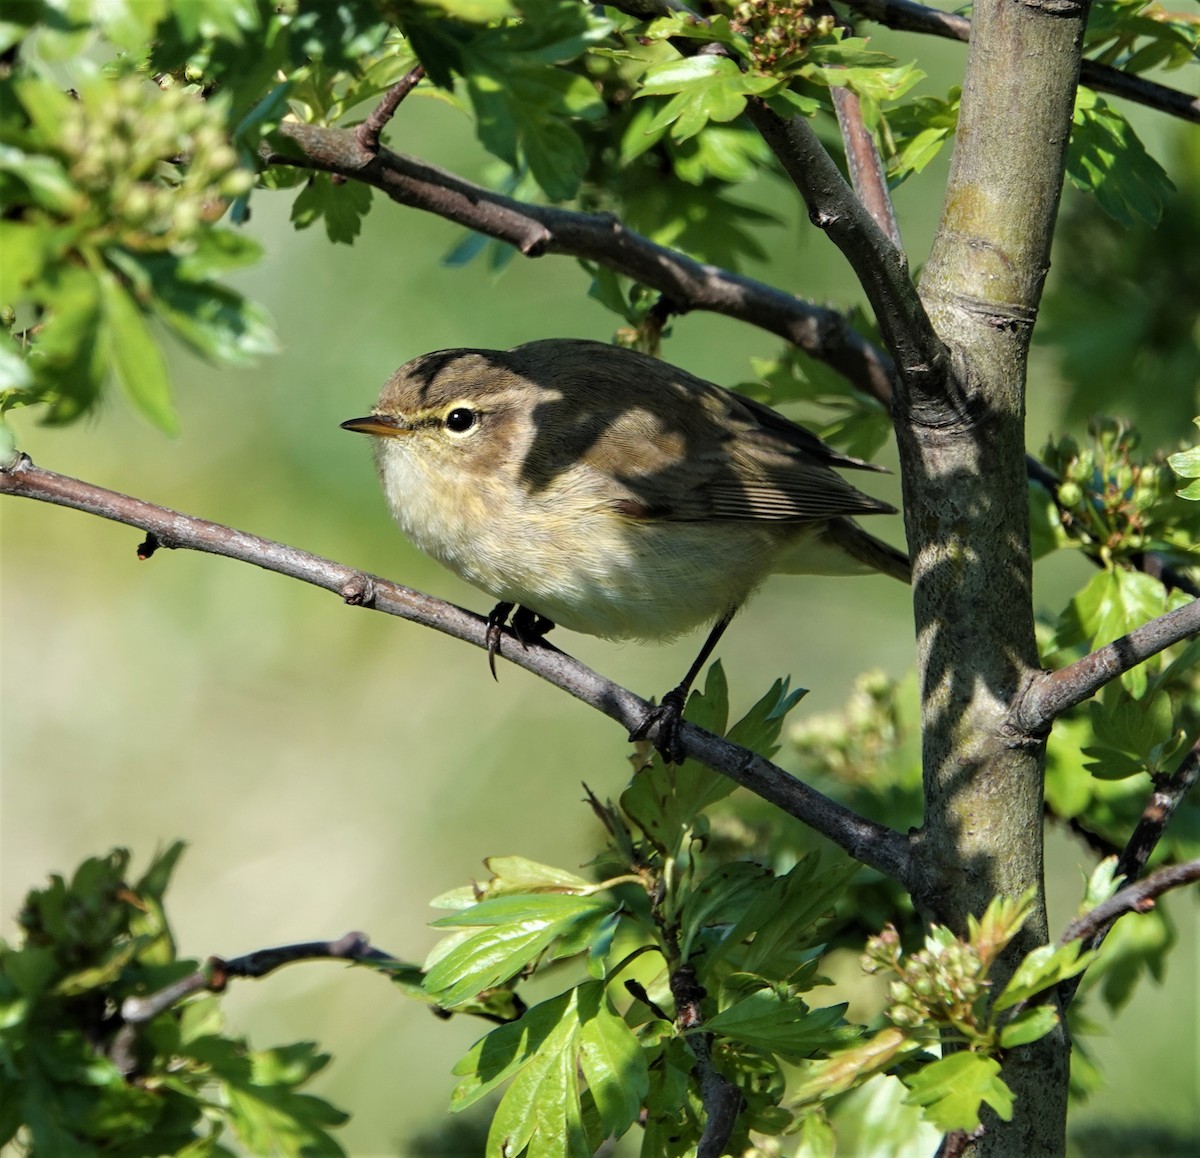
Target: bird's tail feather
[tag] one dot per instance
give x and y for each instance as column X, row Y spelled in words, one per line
column 868, row 550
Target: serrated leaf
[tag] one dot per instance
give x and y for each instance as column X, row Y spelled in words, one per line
column 666, row 801
column 780, row 922
column 1029, row 1026
column 217, row 322
column 1045, row 966
column 498, row 1055
column 612, row 1061
column 783, row 1025
column 269, row 1115
column 136, row 356
column 342, row 207
column 516, row 931
column 760, row 727
column 706, row 88
column 1134, row 727
column 1112, row 604
column 1186, row 464
column 1106, row 158
column 952, row 1089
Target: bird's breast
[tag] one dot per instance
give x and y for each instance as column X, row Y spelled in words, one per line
column 572, row 556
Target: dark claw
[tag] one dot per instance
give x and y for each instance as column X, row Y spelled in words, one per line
column 495, row 627
column 663, row 726
column 529, row 627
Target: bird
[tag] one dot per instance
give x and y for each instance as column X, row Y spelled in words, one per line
column 612, row 493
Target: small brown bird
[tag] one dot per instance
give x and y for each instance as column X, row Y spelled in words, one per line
column 610, row 492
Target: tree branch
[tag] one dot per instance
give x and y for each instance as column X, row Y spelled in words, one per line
column 215, row 974
column 864, row 164
column 1050, row 693
column 1168, row 794
column 873, row 844
column 368, row 132
column 1138, row 897
column 882, row 270
column 535, row 230
column 1093, row 927
column 907, row 16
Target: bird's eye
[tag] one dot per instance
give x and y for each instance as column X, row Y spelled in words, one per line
column 460, row 419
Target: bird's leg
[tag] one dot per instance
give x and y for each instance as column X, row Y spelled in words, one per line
column 665, row 719
column 496, row 620
column 530, row 627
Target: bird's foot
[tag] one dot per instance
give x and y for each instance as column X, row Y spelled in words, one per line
column 496, row 620
column 663, row 726
column 528, row 626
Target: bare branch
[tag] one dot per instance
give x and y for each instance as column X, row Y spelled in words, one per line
column 368, row 132
column 722, row 1100
column 873, row 844
column 1168, row 794
column 907, row 16
column 922, row 359
column 1050, row 693
column 863, row 161
column 1136, row 898
column 213, row 977
column 539, row 229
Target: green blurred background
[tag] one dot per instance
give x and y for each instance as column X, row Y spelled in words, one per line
column 332, row 768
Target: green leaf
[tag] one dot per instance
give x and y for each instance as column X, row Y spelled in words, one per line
column 494, row 1058
column 952, row 1089
column 136, row 356
column 779, row 924
column 1186, row 464
column 517, row 930
column 666, row 802
column 1140, row 728
column 269, row 1116
column 1029, row 1026
column 707, row 88
column 1042, row 968
column 1107, row 158
column 342, row 207
column 612, row 1061
column 1136, row 945
column 783, row 1025
column 760, row 727
column 216, row 322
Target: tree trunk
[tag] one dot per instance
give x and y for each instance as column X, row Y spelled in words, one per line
column 965, row 499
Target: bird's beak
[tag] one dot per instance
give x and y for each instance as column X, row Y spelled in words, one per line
column 383, row 425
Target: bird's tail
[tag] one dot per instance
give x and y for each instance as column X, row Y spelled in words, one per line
column 862, row 546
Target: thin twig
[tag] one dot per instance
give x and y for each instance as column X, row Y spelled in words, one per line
column 368, row 132
column 1138, row 897
column 921, row 359
column 907, row 16
column 213, row 977
column 865, row 165
column 871, row 843
column 1050, row 693
column 722, row 1100
column 1169, row 792
column 535, row 230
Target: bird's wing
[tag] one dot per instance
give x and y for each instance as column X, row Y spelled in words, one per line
column 726, row 458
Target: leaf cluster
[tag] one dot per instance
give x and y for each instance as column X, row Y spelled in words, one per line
column 941, row 995
column 87, row 946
